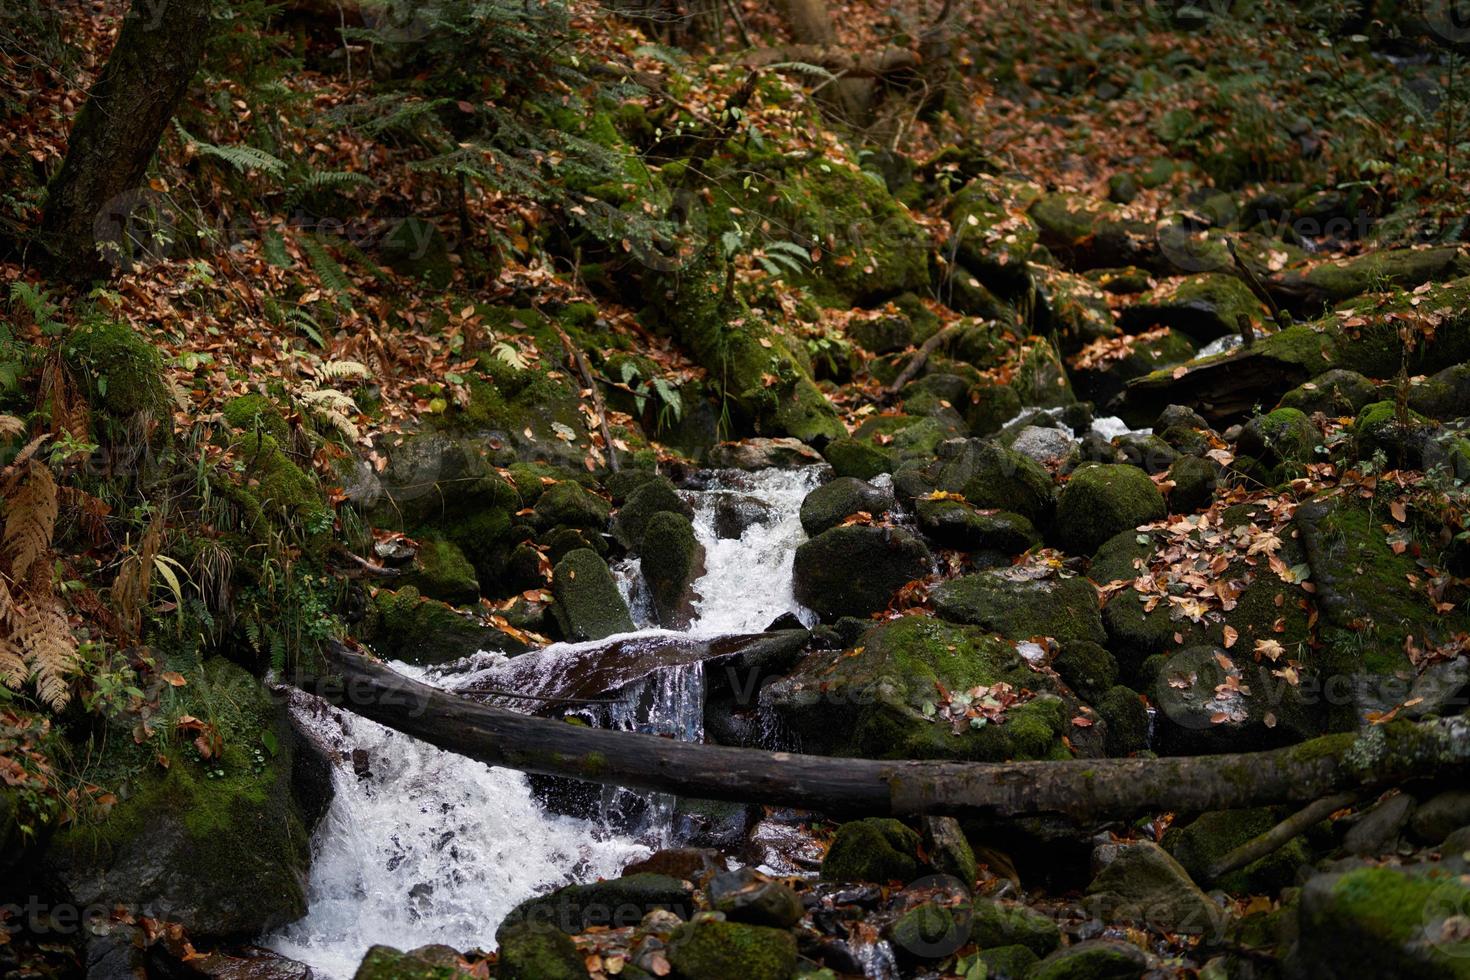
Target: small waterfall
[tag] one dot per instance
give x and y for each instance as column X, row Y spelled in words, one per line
column 426, row 846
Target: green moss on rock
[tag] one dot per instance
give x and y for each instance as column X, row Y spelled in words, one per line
column 443, row 572
column 122, row 370
column 588, row 604
column 1101, row 500
column 712, row 949
column 1020, row 605
column 877, row 849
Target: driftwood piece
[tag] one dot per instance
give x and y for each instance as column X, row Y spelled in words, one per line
column 1082, row 789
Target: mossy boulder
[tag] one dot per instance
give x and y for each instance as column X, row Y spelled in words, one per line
column 746, row 896
column 219, row 845
column 881, row 334
column 1022, row 602
column 1040, row 378
column 1195, row 480
column 569, row 504
column 1333, row 393
column 1405, row 438
column 989, row 407
column 588, row 604
column 387, row 963
column 1072, row 307
column 1139, row 882
column 854, row 570
column 713, row 949
column 1203, row 841
column 857, row 458
column 672, row 560
column 255, row 412
column 442, row 571
column 1090, row 233
column 653, row 496
column 991, row 234
column 929, row 931
column 1383, row 922
column 1007, row 962
column 1284, row 438
column 1129, row 723
column 991, row 476
column 832, row 502
column 1093, row 959
column 611, row 904
column 1101, row 373
column 1086, row 667
column 1203, row 307
column 406, row 625
column 276, row 488
column 1209, row 700
column 122, row 370
column 1008, row 924
column 1445, row 396
column 869, row 702
column 1337, row 280
column 1101, row 500
column 952, row 523
column 877, row 849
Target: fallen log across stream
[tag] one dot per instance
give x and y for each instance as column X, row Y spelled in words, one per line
column 1080, row 789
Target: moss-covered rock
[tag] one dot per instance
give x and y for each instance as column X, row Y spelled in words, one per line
column 672, row 560
column 405, row 625
column 929, row 932
column 1086, row 667
column 1101, row 500
column 1102, row 372
column 568, row 503
column 256, row 412
column 877, row 849
column 992, row 235
column 1007, row 962
column 854, row 570
column 991, row 476
column 1040, row 379
column 275, row 487
column 1139, row 882
column 588, row 604
column 990, row 406
column 1093, row 959
column 1336, row 280
column 952, row 523
column 1202, row 307
column 1444, row 396
column 832, row 502
column 122, row 370
column 1072, row 307
column 442, row 571
column 1284, row 436
column 746, row 896
column 1383, row 922
column 1209, row 837
column 857, row 458
column 655, row 495
column 1005, row 924
column 219, row 845
column 387, row 963
column 712, row 949
column 612, row 904
column 415, row 247
column 869, row 701
column 1211, row 701
column 1333, row 393
column 1022, row 602
column 1195, row 480
column 1128, row 720
column 1406, row 438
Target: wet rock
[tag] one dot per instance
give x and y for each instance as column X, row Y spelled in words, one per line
column 716, row 824
column 1139, row 882
column 1377, row 829
column 1022, row 602
column 1007, row 962
column 1336, row 393
column 736, row 513
column 990, row 406
column 653, row 497
column 1441, row 815
column 1381, row 922
column 1088, row 668
column 784, row 453
column 876, row 849
column 746, row 896
column 1205, row 840
column 1195, row 480
column 684, row 863
column 1148, row 452
column 1101, row 500
column 930, row 931
column 1183, row 415
column 854, row 571
column 588, row 604
column 403, row 625
column 567, row 503
column 949, row 850
column 869, row 702
column 1204, row 307
column 952, row 523
column 529, row 951
column 828, row 505
column 858, row 458
column 1009, row 924
column 993, row 477
column 1093, row 959
column 709, row 949
column 1053, row 448
column 1127, row 719
column 672, row 561
column 614, row 903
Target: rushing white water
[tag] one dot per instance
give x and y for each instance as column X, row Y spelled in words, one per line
column 430, row 847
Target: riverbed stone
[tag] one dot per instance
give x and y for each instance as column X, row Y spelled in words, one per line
column 999, row 923
column 854, row 570
column 989, row 475
column 1101, row 500
column 1093, row 959
column 957, row 523
column 567, row 503
column 1022, row 602
column 588, row 605
column 672, row 561
column 712, row 949
column 614, row 903
column 857, row 458
column 828, row 505
column 655, row 496
column 386, row 963
column 538, row 952
column 1141, row 883
column 744, row 895
column 877, row 849
column 783, row 453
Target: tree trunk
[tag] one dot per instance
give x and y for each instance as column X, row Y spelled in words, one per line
column 811, row 24
column 116, row 133
column 1083, row 790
